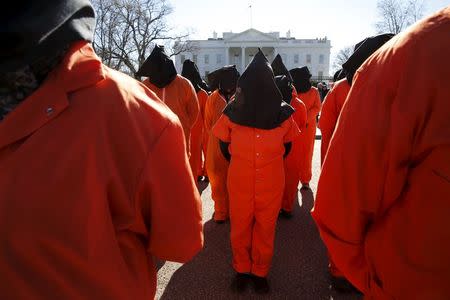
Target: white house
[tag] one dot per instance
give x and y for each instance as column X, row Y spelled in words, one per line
column 239, row 48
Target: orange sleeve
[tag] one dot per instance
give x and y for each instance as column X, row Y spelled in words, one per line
column 315, row 108
column 173, row 215
column 222, row 129
column 292, row 130
column 352, row 179
column 209, row 113
column 328, row 119
column 300, row 114
column 192, row 105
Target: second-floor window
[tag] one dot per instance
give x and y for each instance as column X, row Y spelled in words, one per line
column 321, row 59
column 308, row 58
column 206, row 59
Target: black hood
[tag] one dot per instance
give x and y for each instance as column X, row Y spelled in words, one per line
column 279, row 68
column 284, row 84
column 190, row 71
column 224, row 79
column 363, row 50
column 340, row 74
column 158, row 67
column 301, row 77
column 30, row 30
column 258, row 102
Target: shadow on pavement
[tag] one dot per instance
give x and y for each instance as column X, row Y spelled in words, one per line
column 299, row 269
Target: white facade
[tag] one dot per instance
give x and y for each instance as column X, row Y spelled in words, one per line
column 239, row 48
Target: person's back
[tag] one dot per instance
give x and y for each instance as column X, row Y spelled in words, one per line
column 385, row 219
column 87, row 163
column 179, row 95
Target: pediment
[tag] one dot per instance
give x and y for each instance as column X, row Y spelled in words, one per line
column 251, row 35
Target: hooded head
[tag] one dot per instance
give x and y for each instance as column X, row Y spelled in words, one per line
column 158, row 67
column 363, row 50
column 32, row 30
column 301, row 77
column 190, row 71
column 284, row 85
column 340, row 74
column 258, row 102
column 279, row 68
column 225, row 80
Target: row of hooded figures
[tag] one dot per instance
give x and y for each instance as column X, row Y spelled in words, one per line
column 252, row 136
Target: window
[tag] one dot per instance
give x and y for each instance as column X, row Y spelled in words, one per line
column 182, row 58
column 320, row 75
column 284, row 58
column 206, row 59
column 308, row 58
column 321, row 58
column 194, row 58
column 219, row 59
column 296, row 59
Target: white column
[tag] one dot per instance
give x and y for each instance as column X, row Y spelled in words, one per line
column 242, row 59
column 275, row 52
column 227, row 56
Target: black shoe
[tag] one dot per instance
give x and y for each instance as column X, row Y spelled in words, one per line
column 205, row 179
column 240, row 282
column 200, row 178
column 261, row 284
column 342, row 285
column 285, row 214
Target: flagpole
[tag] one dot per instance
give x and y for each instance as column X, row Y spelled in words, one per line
column 251, row 16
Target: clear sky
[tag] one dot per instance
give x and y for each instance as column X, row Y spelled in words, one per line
column 343, row 22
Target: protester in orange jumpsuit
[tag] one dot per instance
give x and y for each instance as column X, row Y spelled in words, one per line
column 329, row 117
column 256, row 125
column 216, row 164
column 331, row 108
column 292, row 162
column 383, row 212
column 88, row 158
column 190, row 72
column 311, row 98
column 174, row 90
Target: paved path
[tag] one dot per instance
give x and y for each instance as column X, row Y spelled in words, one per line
column 299, row 269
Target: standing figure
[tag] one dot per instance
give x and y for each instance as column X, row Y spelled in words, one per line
column 384, row 193
column 256, row 126
column 310, row 96
column 292, row 162
column 88, row 160
column 190, row 72
column 174, row 90
column 216, row 165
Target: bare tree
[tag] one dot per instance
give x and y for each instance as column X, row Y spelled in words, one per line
column 128, row 29
column 396, row 15
column 341, row 57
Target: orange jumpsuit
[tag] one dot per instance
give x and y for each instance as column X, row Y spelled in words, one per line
column 383, row 199
column 255, row 185
column 331, row 108
column 292, row 161
column 180, row 97
column 216, row 164
column 307, row 138
column 87, row 165
column 196, row 158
